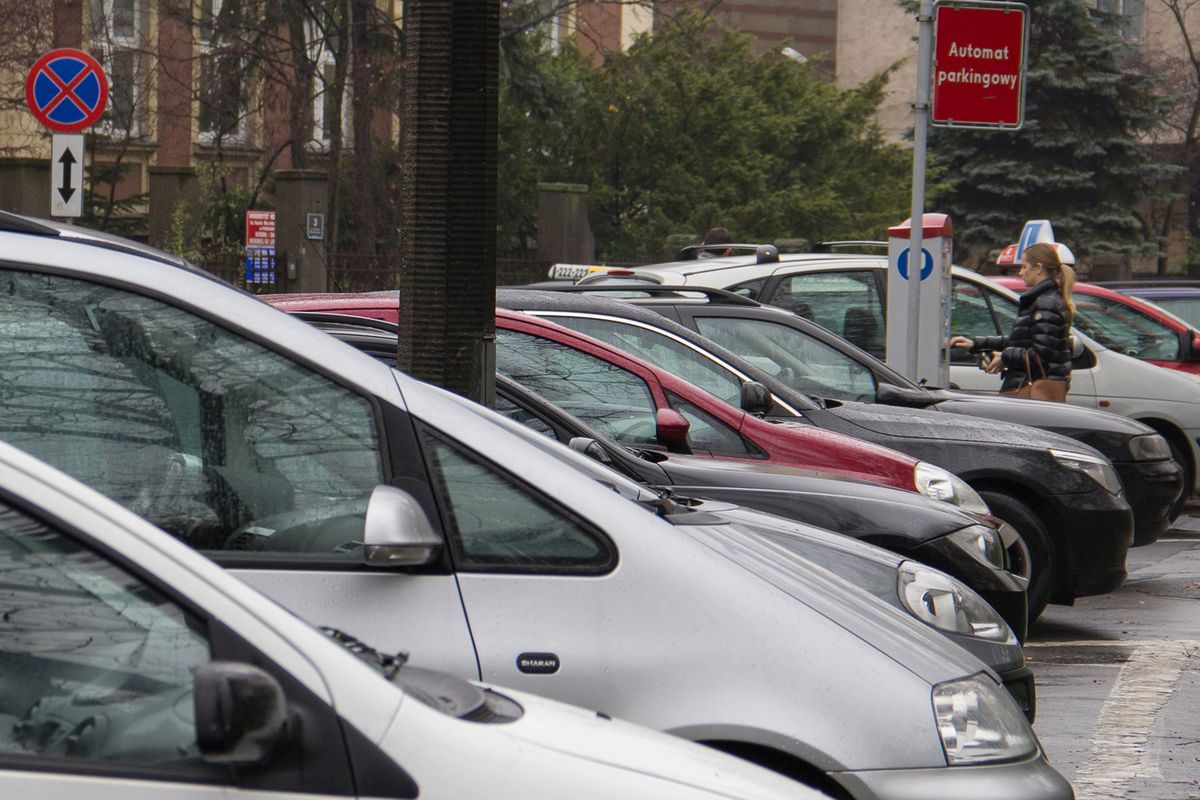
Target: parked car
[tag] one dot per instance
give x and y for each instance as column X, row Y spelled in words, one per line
column 410, row 517
column 846, row 293
column 1075, row 524
column 135, row 668
column 913, row 526
column 1179, row 298
column 1129, row 326
column 636, row 410
column 811, row 359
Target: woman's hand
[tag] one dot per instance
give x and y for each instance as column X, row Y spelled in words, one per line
column 995, row 365
column 961, row 342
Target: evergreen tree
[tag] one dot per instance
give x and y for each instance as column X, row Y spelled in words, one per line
column 689, row 129
column 1081, row 159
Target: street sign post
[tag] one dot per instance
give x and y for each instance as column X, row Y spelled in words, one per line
column 66, row 175
column 979, row 63
column 66, row 91
column 978, row 81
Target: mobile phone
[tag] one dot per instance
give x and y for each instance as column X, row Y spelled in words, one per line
column 985, row 358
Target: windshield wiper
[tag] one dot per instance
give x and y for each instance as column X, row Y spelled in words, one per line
column 388, row 664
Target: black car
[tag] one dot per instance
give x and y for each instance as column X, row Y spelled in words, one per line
column 814, row 360
column 1064, row 498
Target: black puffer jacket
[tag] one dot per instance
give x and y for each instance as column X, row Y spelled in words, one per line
column 1041, row 332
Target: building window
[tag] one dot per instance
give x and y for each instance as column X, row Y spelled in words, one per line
column 222, row 93
column 321, row 52
column 118, row 35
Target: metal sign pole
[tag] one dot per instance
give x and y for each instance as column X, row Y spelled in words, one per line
column 916, row 256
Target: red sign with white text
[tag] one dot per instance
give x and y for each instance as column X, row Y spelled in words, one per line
column 260, row 228
column 979, row 65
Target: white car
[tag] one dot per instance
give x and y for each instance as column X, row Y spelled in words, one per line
column 134, row 668
column 847, row 294
column 364, row 499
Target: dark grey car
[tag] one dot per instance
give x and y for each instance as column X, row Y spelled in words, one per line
column 1062, row 496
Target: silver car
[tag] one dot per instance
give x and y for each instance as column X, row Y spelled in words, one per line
column 136, row 669
column 413, row 518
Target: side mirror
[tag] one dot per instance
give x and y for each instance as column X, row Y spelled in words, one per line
column 671, row 429
column 1192, row 350
column 892, row 395
column 1076, row 346
column 756, row 398
column 241, row 713
column 397, row 533
column 590, row 448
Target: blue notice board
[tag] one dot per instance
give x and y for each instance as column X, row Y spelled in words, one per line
column 260, row 265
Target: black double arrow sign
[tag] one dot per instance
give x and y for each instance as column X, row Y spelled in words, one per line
column 66, row 191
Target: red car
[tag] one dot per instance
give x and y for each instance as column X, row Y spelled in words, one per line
column 1127, row 325
column 635, row 402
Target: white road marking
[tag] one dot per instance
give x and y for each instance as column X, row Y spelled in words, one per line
column 1119, row 751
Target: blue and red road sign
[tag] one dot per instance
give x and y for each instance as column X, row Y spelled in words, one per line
column 66, row 90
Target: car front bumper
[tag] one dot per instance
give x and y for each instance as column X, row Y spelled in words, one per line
column 1151, row 487
column 1029, row 779
column 1092, row 536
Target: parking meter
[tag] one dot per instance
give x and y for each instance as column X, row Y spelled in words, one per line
column 930, row 332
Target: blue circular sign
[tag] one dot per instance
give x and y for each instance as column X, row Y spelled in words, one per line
column 66, row 90
column 926, row 268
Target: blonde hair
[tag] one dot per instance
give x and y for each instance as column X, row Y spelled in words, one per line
column 1046, row 256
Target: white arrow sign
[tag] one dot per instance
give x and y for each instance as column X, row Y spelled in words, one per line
column 66, row 175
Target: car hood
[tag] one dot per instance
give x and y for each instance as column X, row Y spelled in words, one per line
column 1109, row 433
column 912, row 645
column 849, row 507
column 579, row 733
column 913, row 423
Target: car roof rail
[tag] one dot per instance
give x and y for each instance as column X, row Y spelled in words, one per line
column 348, row 320
column 848, row 244
column 764, row 253
column 714, row 296
column 15, row 223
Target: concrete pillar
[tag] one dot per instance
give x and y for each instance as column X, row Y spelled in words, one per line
column 25, row 186
column 169, row 187
column 298, row 193
column 564, row 234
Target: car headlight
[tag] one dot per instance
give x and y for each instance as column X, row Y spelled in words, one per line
column 982, row 542
column 978, row 721
column 941, row 484
column 1095, row 467
column 1150, row 447
column 949, row 605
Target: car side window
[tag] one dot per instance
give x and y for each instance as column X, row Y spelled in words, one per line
column 707, row 434
column 1121, row 328
column 791, row 356
column 662, row 351
column 227, row 445
column 498, row 525
column 751, row 289
column 970, row 315
column 519, row 415
column 616, row 402
column 846, row 303
column 98, row 666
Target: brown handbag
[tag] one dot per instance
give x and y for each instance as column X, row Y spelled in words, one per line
column 1041, row 388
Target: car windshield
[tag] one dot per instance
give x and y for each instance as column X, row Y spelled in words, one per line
column 792, row 357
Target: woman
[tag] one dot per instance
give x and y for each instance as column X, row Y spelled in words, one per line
column 1039, row 347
